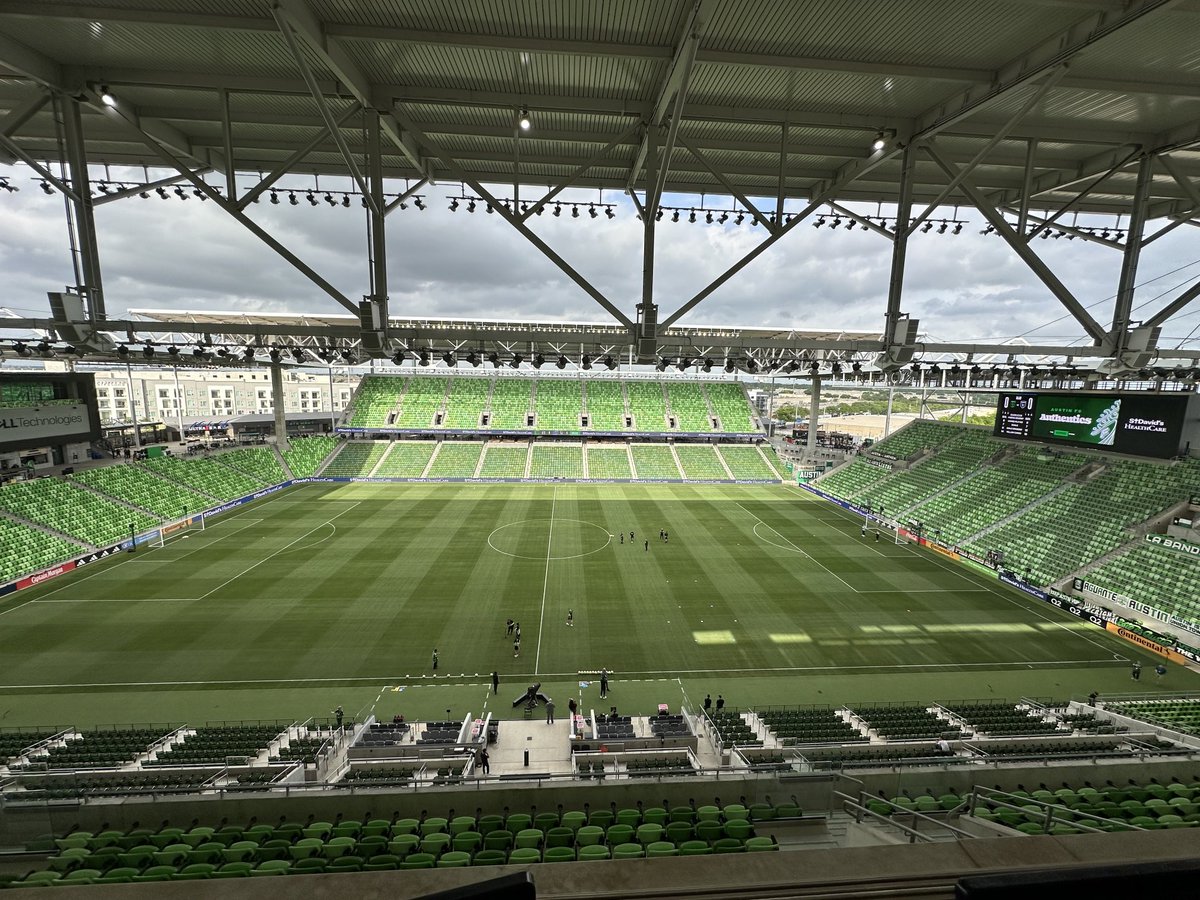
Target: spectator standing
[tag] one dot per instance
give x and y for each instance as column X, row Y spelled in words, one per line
column 720, row 703
column 549, row 712
column 603, row 683
column 495, row 682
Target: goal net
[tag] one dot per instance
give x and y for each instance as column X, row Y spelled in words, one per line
column 179, row 528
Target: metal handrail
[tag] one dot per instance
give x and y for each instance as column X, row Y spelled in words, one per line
column 990, row 795
column 860, row 809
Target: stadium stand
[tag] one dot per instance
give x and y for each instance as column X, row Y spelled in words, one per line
column 559, row 402
column 773, row 460
column 204, row 475
column 504, row 460
column 689, row 406
column 510, row 403
column 1087, row 521
column 98, row 749
column 920, row 434
column 1178, row 715
column 747, row 463
column 728, row 401
column 906, row 723
column 647, row 405
column 605, row 405
column 24, row 549
column 810, row 726
column 468, row 399
column 1004, row 719
column 306, row 454
column 257, row 462
column 1164, row 578
column 214, row 745
column 608, row 462
column 72, row 510
column 953, row 460
column 850, row 480
column 423, row 397
column 456, row 459
column 356, row 459
column 556, row 461
column 996, row 492
column 375, row 399
column 700, row 462
column 406, row 459
column 135, row 485
column 655, row 461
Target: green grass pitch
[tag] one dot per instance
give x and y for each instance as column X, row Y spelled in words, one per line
column 338, row 594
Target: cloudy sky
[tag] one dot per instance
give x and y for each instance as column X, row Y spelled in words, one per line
column 187, row 255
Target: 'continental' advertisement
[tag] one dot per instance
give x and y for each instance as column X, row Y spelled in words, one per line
column 1146, row 644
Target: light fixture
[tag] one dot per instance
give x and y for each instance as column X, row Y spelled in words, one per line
column 880, row 141
column 516, row 361
column 662, row 364
column 45, row 186
column 675, row 216
column 523, row 120
column 107, row 98
column 957, row 228
column 398, row 357
column 926, row 228
column 708, row 218
column 751, row 365
column 423, row 358
column 608, row 211
column 276, row 356
column 471, row 205
column 449, row 359
column 297, row 354
column 692, row 216
column 708, row 364
column 454, row 204
column 148, row 351
column 585, row 362
column 473, row 359
column 538, row 360
column 610, row 363
column 274, row 197
column 346, row 200
column 942, row 228
column 561, row 363
column 180, row 193
column 292, row 198
column 557, row 210
column 329, row 199
column 592, row 210
column 347, row 355
column 683, row 363
column 574, row 212
column 419, row 204
column 494, row 359
column 741, row 217
column 312, row 200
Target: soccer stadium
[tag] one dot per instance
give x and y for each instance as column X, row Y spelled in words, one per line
column 409, row 604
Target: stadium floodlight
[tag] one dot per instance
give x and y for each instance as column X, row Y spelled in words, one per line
column 107, row 98
column 516, row 361
column 610, row 363
column 683, row 363
column 814, row 367
column 675, row 216
column 200, row 353
column 662, row 364
column 879, row 143
column 692, row 216
column 347, row 355
column 751, row 365
column 592, row 210
column 223, row 353
column 557, row 210
column 608, row 211
column 562, row 362
column 729, row 367
column 298, row 354
column 398, row 357
column 538, row 360
column 836, row 368
column 708, row 364
column 494, row 359
column 449, row 359
column 473, row 359
column 523, row 120
column 585, row 362
column 275, row 355
column 856, row 367
column 22, row 350
column 148, row 351
column 423, row 358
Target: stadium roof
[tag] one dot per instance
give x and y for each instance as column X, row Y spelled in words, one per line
column 1027, row 111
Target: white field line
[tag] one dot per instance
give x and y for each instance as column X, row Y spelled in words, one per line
column 545, row 581
column 276, row 553
column 798, row 550
column 665, row 673
column 842, row 516
column 15, row 608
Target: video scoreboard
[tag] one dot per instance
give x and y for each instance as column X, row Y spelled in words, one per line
column 1139, row 424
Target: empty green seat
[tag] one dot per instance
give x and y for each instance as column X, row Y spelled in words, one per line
column 490, row 858
column 588, row 835
column 694, row 848
column 523, row 856
column 661, row 848
column 592, row 853
column 454, row 859
column 417, row 861
column 559, row 854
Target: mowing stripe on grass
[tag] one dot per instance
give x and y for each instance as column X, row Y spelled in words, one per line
column 798, row 550
column 545, row 580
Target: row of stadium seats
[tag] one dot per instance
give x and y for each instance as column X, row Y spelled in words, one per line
column 305, row 455
column 1168, row 578
column 920, row 434
column 849, row 481
column 205, row 475
column 134, row 484
column 557, row 404
column 460, row 459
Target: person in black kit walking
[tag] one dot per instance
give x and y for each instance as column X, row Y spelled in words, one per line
column 435, row 659
column 485, row 761
column 1136, row 672
column 508, row 628
column 720, row 703
column 603, row 683
column 647, row 546
column 631, row 537
column 495, row 682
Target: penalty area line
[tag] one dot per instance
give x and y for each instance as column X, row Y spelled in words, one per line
column 798, row 550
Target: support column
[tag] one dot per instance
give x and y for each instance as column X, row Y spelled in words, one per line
column 137, row 428
column 1133, row 251
column 379, row 281
column 814, row 411
column 180, row 404
column 281, row 439
column 85, row 225
column 887, row 419
column 899, row 247
column 647, row 312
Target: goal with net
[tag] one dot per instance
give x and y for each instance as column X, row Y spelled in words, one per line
column 179, row 528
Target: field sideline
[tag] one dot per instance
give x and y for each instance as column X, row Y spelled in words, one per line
column 339, row 594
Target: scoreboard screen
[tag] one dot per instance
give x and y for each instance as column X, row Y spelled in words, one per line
column 1140, row 424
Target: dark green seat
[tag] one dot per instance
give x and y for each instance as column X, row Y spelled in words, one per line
column 383, row 862
column 595, row 852
column 417, row 861
column 489, row 858
column 694, row 848
column 234, row 870
column 559, row 854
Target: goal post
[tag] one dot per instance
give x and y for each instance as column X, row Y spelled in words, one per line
column 178, row 528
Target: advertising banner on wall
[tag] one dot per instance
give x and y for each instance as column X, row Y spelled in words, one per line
column 26, row 425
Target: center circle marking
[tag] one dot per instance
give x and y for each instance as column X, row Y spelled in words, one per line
column 542, row 556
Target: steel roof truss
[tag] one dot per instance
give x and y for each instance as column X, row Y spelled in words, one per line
column 1070, row 229
column 579, row 171
column 1095, row 183
column 148, row 186
column 395, row 204
column 16, row 150
column 513, row 219
column 847, row 213
column 1189, row 187
column 1021, row 248
column 1127, row 280
column 1173, row 307
column 20, row 115
column 728, row 185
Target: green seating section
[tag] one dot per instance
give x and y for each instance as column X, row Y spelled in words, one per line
column 356, row 459
column 774, row 461
column 24, row 549
column 40, row 787
column 1098, row 512
column 204, row 475
column 468, row 399
column 406, row 459
column 257, row 462
column 733, row 730
column 214, row 745
column 906, row 723
column 647, row 404
column 456, row 459
column 135, row 485
column 556, row 461
column 14, row 743
column 729, row 403
column 689, row 406
column 700, row 462
column 173, row 853
column 747, row 463
column 655, row 461
column 505, row 461
column 374, row 399
column 920, row 434
column 559, row 402
column 849, row 481
column 810, row 726
column 306, row 454
column 1151, row 806
column 423, row 397
column 72, row 510
column 510, row 404
column 608, row 462
column 1166, row 579
column 995, row 493
column 605, row 405
column 959, row 456
column 1178, row 715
